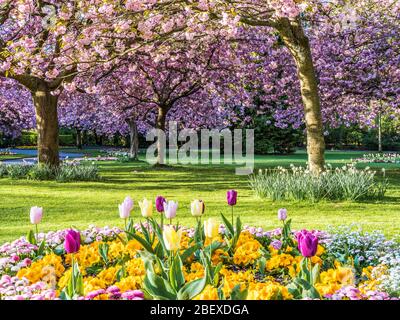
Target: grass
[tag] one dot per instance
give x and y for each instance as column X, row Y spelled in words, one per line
column 12, row 157
column 82, row 203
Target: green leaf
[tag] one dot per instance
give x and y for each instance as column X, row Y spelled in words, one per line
column 143, row 242
column 262, row 262
column 158, row 232
column 122, row 239
column 221, row 295
column 315, row 274
column 121, row 273
column 229, row 226
column 192, row 289
column 236, row 294
column 31, row 237
column 40, row 251
column 176, row 276
column 158, row 287
column 145, row 232
column 189, row 251
column 103, row 251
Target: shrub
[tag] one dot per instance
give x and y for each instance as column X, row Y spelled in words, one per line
column 296, row 183
column 80, row 172
column 3, row 170
column 66, row 140
column 18, row 171
column 28, row 138
column 42, row 172
column 64, row 173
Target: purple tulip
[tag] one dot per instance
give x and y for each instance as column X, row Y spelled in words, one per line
column 307, row 243
column 282, row 214
column 160, row 203
column 72, row 241
column 231, row 197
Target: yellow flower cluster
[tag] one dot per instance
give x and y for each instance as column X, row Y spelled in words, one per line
column 209, row 293
column 247, row 250
column 270, row 290
column 47, row 269
column 231, row 279
column 372, row 275
column 284, row 261
column 196, row 271
column 87, row 256
column 333, row 279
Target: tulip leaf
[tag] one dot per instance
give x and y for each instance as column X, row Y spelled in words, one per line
column 31, row 237
column 103, row 251
column 146, row 245
column 121, row 273
column 158, row 287
column 229, row 226
column 193, row 288
column 237, row 294
column 176, row 276
column 188, row 252
column 158, row 232
column 315, row 274
column 40, row 251
column 122, row 239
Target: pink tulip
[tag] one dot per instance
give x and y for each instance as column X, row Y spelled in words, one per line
column 36, row 215
column 170, row 209
column 128, row 203
column 125, row 208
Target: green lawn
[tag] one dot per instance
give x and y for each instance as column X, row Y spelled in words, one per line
column 82, row 203
column 11, row 157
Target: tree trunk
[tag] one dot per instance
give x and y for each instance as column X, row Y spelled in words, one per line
column 160, row 124
column 134, row 139
column 298, row 44
column 78, row 138
column 380, row 132
column 46, row 124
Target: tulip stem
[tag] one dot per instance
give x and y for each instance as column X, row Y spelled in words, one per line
column 162, row 220
column 310, row 271
column 170, row 221
column 125, row 224
column 72, row 273
column 232, row 215
column 37, row 233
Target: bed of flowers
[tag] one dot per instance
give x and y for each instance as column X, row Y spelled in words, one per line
column 379, row 158
column 160, row 259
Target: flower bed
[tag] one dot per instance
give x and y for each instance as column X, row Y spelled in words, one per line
column 379, row 158
column 153, row 260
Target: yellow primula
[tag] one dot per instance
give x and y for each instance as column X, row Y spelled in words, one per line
column 269, row 290
column 130, row 283
column 135, row 267
column 93, row 283
column 333, row 279
column 231, row 279
column 196, row 271
column 108, row 275
column 48, row 269
column 87, row 256
column 247, row 250
column 209, row 293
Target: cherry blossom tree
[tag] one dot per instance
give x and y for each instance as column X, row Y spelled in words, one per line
column 16, row 108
